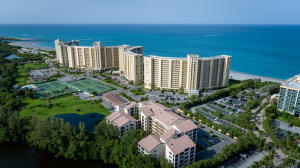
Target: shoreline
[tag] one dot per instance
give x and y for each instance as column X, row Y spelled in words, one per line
column 243, row 76
column 30, row 43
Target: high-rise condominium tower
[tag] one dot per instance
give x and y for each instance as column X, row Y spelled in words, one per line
column 191, row 73
column 289, row 99
column 95, row 57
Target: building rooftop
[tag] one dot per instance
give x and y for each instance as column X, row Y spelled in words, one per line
column 185, row 126
column 150, row 142
column 214, row 57
column 114, row 99
column 184, row 58
column 119, row 118
column 130, row 105
column 167, row 135
column 180, row 144
column 293, row 83
column 159, row 112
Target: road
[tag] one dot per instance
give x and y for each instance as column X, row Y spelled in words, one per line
column 280, row 156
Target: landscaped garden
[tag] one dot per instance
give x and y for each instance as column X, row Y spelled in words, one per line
column 61, row 105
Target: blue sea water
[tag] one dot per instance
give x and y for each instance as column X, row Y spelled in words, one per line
column 266, row 50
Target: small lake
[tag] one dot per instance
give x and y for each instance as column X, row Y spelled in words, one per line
column 12, row 56
column 90, row 120
column 21, row 155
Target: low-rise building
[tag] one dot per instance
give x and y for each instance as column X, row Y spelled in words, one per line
column 115, row 100
column 151, row 145
column 173, row 137
column 289, row 99
column 122, row 121
column 159, row 119
column 181, row 151
column 132, row 109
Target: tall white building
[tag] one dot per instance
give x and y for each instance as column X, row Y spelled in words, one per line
column 289, row 99
column 95, row 57
column 191, row 73
column 131, row 64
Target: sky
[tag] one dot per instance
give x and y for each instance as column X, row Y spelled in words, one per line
column 149, row 11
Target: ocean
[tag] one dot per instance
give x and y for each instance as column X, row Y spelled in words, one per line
column 265, row 50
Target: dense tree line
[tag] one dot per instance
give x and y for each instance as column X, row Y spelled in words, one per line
column 288, row 142
column 63, row 140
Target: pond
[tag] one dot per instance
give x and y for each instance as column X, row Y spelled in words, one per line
column 12, row 56
column 90, row 120
column 21, row 155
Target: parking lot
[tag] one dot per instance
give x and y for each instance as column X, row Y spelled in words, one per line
column 214, row 119
column 243, row 160
column 212, row 144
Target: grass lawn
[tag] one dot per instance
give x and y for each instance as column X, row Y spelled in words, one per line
column 126, row 96
column 61, row 105
column 23, row 69
column 54, row 77
column 138, row 91
column 112, row 82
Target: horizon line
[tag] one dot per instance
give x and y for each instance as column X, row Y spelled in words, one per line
column 238, row 24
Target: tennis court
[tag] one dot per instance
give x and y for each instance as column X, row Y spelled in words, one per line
column 53, row 89
column 90, row 86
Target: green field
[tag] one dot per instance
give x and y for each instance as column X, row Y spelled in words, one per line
column 61, row 105
column 53, row 89
column 90, row 86
column 22, row 76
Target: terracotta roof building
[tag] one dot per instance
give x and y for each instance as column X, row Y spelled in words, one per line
column 115, row 100
column 174, row 134
column 122, row 121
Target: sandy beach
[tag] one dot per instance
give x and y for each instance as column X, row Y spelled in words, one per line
column 31, row 44
column 244, row 76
